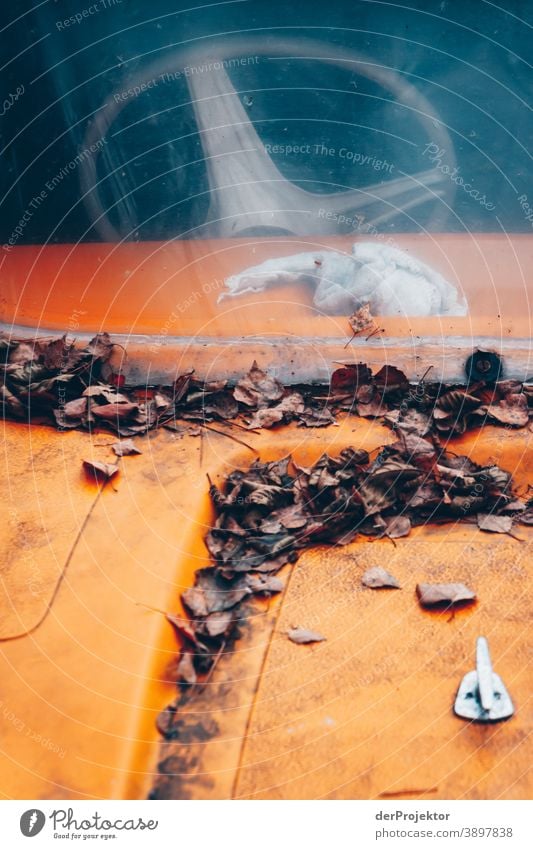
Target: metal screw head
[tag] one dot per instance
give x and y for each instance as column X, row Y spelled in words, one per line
column 484, row 365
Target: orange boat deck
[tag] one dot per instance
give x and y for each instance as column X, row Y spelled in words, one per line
column 159, row 299
column 85, row 660
column 369, row 712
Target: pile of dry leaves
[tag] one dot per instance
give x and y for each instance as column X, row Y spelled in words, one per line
column 49, row 377
column 268, row 513
column 52, row 379
column 429, row 407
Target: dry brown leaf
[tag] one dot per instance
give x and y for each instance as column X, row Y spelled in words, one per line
column 22, row 353
column 390, row 379
column 302, row 636
column 512, row 410
column 397, row 526
column 432, row 594
column 514, row 506
column 361, row 320
column 54, row 353
column 75, row 409
column 377, row 577
column 350, row 377
column 114, row 412
column 195, row 601
column 125, row 447
column 414, row 446
column 375, row 408
column 495, row 524
column 218, row 623
column 182, row 628
column 186, row 671
column 267, row 584
column 181, row 386
column 455, row 402
column 291, row 517
column 409, row 421
column 162, row 402
column 258, row 388
column 100, row 469
column 221, row 404
column 265, row 417
column 100, row 346
column 316, row 418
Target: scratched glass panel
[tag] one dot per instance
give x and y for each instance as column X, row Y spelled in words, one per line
column 360, row 121
column 264, row 118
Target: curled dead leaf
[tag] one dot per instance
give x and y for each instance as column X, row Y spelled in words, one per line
column 433, row 594
column 397, row 526
column 99, row 469
column 350, row 377
column 258, row 388
column 512, row 410
column 455, row 402
column 218, row 623
column 302, row 636
column 390, row 379
column 186, row 672
column 182, row 628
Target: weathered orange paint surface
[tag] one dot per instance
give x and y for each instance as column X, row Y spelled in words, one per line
column 86, row 659
column 366, row 713
column 171, row 288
